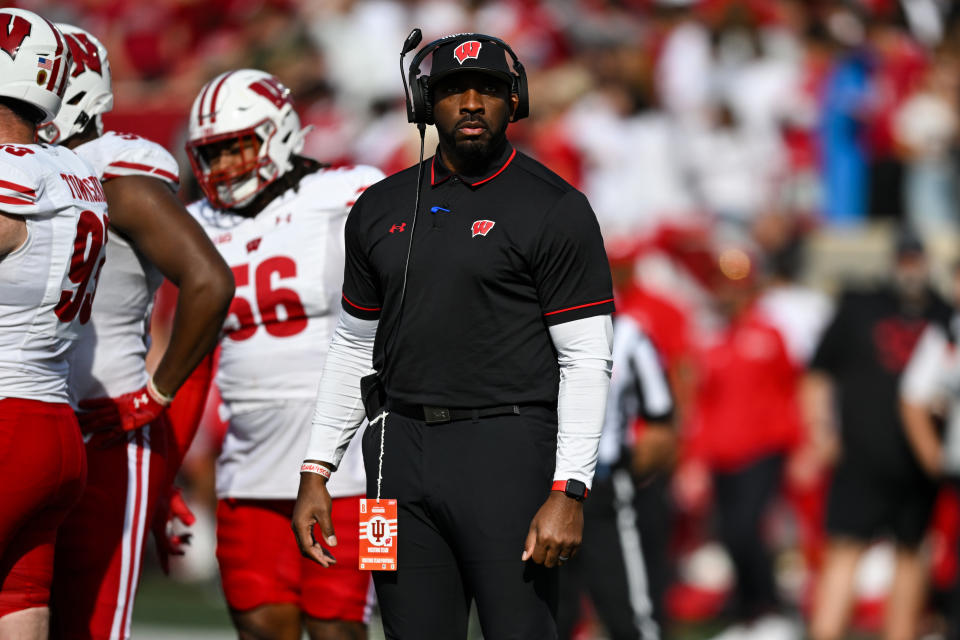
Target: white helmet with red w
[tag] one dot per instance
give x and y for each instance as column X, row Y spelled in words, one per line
column 88, row 93
column 250, row 108
column 34, row 60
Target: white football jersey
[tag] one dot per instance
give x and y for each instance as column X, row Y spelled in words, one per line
column 287, row 264
column 108, row 360
column 47, row 285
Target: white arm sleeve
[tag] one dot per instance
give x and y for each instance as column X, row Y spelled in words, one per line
column 922, row 379
column 584, row 354
column 339, row 409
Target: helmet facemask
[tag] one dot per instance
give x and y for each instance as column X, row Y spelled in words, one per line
column 234, row 167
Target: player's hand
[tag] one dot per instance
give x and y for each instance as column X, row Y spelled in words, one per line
column 555, row 531
column 656, row 450
column 171, row 507
column 314, row 507
column 808, row 465
column 126, row 413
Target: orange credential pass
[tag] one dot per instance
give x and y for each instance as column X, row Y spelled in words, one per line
column 378, row 534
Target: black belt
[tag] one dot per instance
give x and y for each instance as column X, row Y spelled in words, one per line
column 440, row 415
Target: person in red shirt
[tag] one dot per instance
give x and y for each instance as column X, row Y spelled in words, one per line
column 745, row 421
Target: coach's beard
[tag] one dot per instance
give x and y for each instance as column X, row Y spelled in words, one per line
column 473, row 154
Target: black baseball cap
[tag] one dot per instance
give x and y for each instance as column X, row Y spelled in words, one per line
column 471, row 52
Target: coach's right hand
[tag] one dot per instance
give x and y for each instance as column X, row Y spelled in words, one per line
column 314, row 506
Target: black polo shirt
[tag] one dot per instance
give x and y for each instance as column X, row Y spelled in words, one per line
column 496, row 259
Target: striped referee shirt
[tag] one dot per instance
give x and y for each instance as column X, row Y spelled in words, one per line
column 638, row 388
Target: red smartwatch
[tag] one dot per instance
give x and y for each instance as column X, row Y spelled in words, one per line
column 571, row 488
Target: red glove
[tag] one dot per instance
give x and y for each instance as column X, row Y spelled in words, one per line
column 126, row 413
column 170, row 507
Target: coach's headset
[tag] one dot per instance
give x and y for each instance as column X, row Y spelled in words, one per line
column 420, row 102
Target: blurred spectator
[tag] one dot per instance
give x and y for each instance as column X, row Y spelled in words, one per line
column 745, row 423
column 896, row 64
column 735, row 169
column 930, row 395
column 683, row 72
column 845, row 108
column 925, row 128
column 632, row 151
column 878, row 488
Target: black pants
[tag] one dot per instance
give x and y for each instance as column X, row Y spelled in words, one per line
column 466, row 493
column 612, row 565
column 742, row 500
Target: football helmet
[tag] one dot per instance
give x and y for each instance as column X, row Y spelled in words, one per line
column 88, row 93
column 34, row 61
column 250, row 113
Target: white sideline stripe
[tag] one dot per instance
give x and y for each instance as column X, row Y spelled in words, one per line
column 633, row 564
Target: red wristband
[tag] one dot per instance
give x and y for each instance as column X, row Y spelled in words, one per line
column 561, row 485
column 313, row 467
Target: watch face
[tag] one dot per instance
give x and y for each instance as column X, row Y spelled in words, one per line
column 576, row 489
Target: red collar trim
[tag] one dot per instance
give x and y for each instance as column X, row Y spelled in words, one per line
column 505, row 164
column 433, row 173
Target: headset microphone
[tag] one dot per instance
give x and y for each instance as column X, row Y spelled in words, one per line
column 409, row 45
column 411, row 42
column 414, row 39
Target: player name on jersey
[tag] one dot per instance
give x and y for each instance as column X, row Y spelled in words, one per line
column 88, row 188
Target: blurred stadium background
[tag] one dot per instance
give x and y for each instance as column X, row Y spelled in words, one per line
column 799, row 135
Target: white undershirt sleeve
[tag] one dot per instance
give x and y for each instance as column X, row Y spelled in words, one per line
column 584, row 355
column 921, row 382
column 339, row 408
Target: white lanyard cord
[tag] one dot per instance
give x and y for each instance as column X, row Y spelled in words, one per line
column 383, row 427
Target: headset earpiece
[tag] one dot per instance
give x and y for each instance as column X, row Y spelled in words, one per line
column 520, row 88
column 423, row 88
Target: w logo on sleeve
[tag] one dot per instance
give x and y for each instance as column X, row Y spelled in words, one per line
column 467, row 50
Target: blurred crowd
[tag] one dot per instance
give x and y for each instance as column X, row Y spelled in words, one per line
column 746, row 160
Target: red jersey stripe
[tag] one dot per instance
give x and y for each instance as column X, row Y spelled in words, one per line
column 13, row 186
column 356, row 306
column 120, row 164
column 579, row 306
column 9, row 200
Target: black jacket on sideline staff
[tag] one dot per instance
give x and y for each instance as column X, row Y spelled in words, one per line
column 479, row 296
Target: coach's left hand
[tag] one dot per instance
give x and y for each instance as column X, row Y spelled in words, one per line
column 555, row 532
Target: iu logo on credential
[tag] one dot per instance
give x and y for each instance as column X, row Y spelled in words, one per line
column 481, row 228
column 378, row 535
